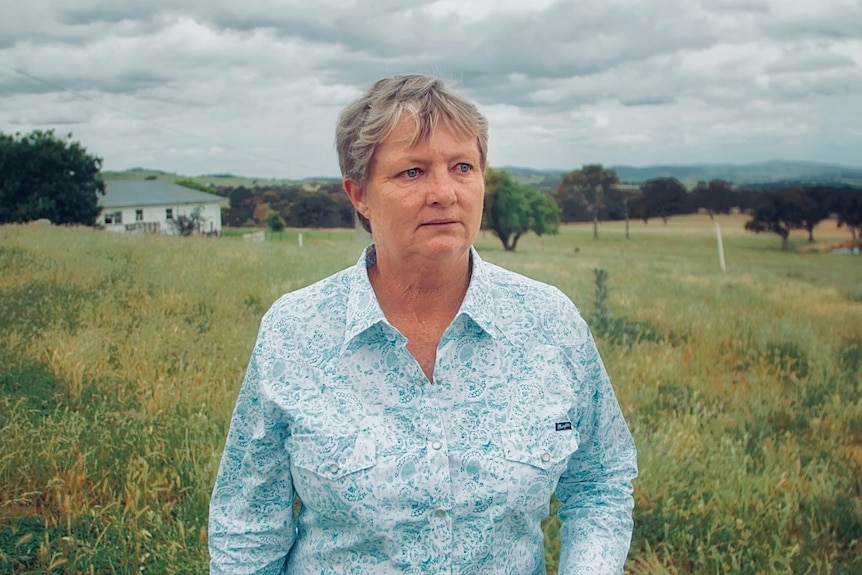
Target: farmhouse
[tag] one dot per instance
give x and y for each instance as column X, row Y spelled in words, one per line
column 156, row 207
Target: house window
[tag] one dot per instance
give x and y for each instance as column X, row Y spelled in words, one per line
column 169, row 214
column 139, row 215
column 114, row 217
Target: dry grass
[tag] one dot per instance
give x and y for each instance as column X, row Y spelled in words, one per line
column 120, row 359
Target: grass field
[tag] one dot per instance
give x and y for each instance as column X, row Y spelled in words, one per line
column 121, row 357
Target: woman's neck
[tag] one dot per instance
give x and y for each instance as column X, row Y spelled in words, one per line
column 428, row 293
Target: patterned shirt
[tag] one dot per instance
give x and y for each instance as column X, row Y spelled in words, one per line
column 397, row 474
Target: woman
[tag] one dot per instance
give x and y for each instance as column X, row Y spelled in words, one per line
column 423, row 405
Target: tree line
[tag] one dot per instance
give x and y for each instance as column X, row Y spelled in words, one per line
column 43, row 175
column 590, row 194
column 594, row 193
column 324, row 206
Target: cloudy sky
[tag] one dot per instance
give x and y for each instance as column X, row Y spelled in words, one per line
column 253, row 87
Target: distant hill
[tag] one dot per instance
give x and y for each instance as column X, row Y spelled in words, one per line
column 210, row 180
column 542, row 179
column 740, row 174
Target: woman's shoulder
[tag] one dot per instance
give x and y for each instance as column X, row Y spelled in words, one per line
column 319, row 302
column 508, row 283
column 528, row 306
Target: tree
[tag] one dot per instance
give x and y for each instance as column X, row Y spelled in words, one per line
column 189, row 224
column 276, row 222
column 513, row 209
column 314, row 210
column 44, row 176
column 193, row 185
column 814, row 203
column 847, row 205
column 777, row 213
column 663, row 198
column 639, row 208
column 583, row 194
column 716, row 197
column 242, row 202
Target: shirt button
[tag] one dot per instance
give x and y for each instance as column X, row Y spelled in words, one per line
column 546, row 457
column 440, row 513
column 333, row 468
column 436, row 445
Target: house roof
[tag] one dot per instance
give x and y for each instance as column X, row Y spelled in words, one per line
column 123, row 194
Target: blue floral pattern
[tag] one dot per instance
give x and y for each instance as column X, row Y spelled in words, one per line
column 397, row 474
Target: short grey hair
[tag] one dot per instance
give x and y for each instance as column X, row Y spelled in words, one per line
column 368, row 121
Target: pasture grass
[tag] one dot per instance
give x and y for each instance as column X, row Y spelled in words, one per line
column 121, row 357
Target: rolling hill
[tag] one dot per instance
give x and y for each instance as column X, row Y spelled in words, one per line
column 741, row 174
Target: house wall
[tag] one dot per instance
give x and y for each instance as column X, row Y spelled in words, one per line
column 154, row 219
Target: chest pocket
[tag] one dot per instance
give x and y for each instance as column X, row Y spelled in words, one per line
column 540, row 446
column 332, row 456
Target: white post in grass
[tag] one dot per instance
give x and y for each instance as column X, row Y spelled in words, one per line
column 300, row 239
column 720, row 248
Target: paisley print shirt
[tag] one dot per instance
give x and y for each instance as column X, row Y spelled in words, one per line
column 396, row 474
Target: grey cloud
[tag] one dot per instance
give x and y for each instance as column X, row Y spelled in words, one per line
column 557, row 43
column 752, row 6
column 131, row 81
column 807, row 61
column 15, row 83
column 596, row 78
column 646, row 100
column 107, row 12
column 839, row 21
column 794, row 88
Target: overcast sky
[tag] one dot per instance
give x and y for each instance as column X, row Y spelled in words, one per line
column 253, row 87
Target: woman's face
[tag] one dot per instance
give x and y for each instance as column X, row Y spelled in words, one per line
column 424, row 201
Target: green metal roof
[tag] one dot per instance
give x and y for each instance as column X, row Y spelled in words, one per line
column 122, row 194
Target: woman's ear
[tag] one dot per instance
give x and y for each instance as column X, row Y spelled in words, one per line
column 356, row 195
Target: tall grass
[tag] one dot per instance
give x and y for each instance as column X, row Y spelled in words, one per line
column 121, row 357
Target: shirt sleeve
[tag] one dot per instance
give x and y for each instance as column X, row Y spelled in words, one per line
column 251, row 520
column 596, row 488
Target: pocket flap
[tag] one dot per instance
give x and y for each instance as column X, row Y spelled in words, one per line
column 539, row 445
column 332, row 456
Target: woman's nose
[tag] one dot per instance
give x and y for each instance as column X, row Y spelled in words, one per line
column 442, row 188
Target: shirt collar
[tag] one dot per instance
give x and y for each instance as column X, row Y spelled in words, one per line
column 479, row 304
column 363, row 309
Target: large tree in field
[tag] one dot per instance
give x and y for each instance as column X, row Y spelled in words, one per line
column 716, row 197
column 583, row 194
column 45, row 176
column 777, row 213
column 814, row 201
column 513, row 209
column 663, row 198
column 847, row 205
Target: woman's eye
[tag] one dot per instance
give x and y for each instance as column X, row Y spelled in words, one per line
column 412, row 172
column 463, row 167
